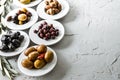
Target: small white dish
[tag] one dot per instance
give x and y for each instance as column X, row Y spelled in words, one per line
column 31, row 4
column 27, row 25
column 37, row 72
column 37, row 40
column 41, row 10
column 17, row 51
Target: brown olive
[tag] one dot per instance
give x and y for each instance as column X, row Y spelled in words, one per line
column 27, row 63
column 48, row 56
column 39, row 63
column 29, row 50
column 33, row 56
column 42, row 48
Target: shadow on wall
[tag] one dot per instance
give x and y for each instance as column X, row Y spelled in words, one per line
column 64, row 43
column 59, row 71
column 71, row 16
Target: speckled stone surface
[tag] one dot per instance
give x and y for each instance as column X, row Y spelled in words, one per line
column 90, row 49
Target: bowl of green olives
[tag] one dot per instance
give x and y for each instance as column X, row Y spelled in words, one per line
column 39, row 59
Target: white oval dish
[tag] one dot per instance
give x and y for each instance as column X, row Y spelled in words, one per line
column 37, row 72
column 41, row 11
column 17, row 51
column 31, row 4
column 27, row 25
column 37, row 40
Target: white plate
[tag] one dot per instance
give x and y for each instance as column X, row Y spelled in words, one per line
column 37, row 72
column 31, row 4
column 17, row 51
column 37, row 40
column 14, row 26
column 41, row 11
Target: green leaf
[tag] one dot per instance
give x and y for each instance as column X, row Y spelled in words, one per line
column 1, row 67
column 13, row 71
column 7, row 62
column 7, row 73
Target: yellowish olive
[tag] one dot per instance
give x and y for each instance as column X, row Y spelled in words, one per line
column 39, row 63
column 42, row 48
column 22, row 17
column 27, row 63
column 48, row 56
column 29, row 50
column 33, row 55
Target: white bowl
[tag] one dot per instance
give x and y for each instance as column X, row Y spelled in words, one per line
column 31, row 4
column 41, row 10
column 17, row 51
column 27, row 25
column 37, row 72
column 37, row 40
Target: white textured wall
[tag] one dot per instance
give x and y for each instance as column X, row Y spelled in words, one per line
column 90, row 49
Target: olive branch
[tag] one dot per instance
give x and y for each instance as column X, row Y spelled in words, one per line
column 5, row 66
column 4, row 9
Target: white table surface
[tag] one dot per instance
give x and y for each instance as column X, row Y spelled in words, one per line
column 90, row 49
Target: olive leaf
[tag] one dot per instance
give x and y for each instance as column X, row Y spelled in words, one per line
column 4, row 9
column 7, row 69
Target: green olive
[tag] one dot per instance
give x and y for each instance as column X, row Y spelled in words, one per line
column 39, row 63
column 49, row 56
column 42, row 48
column 33, row 56
column 27, row 63
column 29, row 50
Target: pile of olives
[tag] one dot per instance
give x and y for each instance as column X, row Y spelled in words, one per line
column 47, row 31
column 37, row 57
column 21, row 17
column 11, row 41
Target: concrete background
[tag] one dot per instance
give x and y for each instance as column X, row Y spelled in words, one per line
column 90, row 49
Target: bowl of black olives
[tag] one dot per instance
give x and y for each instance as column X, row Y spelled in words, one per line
column 13, row 42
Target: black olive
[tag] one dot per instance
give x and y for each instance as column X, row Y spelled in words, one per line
column 15, row 35
column 11, row 47
column 5, row 39
column 4, row 48
column 16, row 43
column 21, row 38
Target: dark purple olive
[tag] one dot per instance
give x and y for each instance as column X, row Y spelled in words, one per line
column 47, row 35
column 45, row 23
column 29, row 14
column 40, row 31
column 51, row 25
column 41, row 35
column 44, row 31
column 53, row 33
column 53, row 37
column 45, row 38
column 56, row 33
column 35, row 31
column 9, row 18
